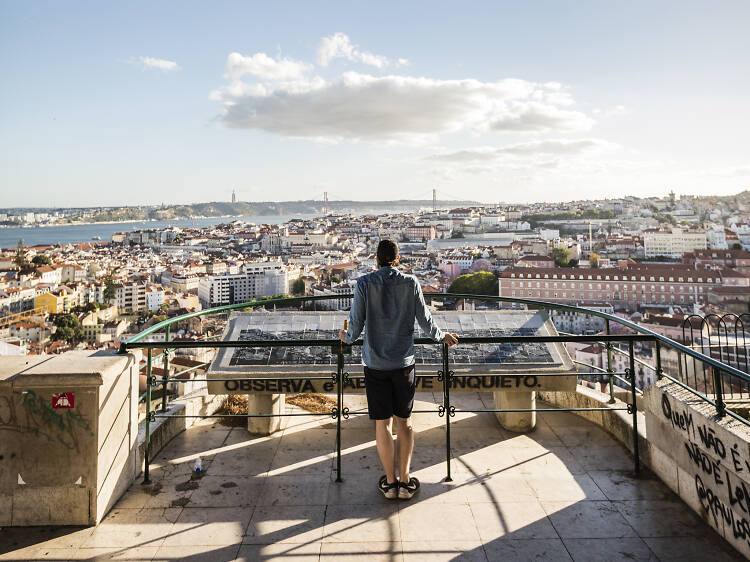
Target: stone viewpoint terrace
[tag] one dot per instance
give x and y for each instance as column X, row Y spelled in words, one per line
column 604, row 480
column 565, row 491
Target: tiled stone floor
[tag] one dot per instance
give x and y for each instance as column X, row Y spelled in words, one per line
column 563, row 492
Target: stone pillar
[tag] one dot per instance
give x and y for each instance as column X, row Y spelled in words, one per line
column 265, row 404
column 68, row 436
column 516, row 421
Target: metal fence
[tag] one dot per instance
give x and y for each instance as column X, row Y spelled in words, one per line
column 721, row 372
column 723, row 338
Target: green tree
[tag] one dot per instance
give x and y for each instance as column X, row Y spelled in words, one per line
column 594, row 259
column 298, row 286
column 110, row 288
column 480, row 283
column 22, row 258
column 561, row 256
column 68, row 329
column 41, row 259
column 457, row 234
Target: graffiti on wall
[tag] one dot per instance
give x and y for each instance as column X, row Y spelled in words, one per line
column 35, row 416
column 720, row 469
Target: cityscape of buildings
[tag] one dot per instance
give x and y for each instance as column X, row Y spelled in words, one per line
column 651, row 260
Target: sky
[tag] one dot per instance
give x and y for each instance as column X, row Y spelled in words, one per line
column 130, row 103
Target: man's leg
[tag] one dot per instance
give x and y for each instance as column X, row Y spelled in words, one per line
column 386, row 451
column 405, row 447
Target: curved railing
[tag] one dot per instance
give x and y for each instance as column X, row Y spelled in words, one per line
column 720, row 370
column 688, row 351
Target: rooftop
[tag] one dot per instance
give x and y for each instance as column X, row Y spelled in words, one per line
column 563, row 492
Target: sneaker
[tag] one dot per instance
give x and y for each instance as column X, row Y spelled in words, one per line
column 390, row 491
column 406, row 490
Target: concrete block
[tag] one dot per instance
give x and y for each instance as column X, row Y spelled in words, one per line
column 688, row 414
column 516, row 421
column 57, row 457
column 6, row 509
column 664, row 467
column 117, row 479
column 110, row 446
column 112, row 399
column 265, row 404
column 51, row 506
column 688, row 494
column 683, row 441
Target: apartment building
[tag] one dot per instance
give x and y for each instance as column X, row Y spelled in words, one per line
column 130, row 297
column 735, row 259
column 258, row 279
column 623, row 287
column 420, row 232
column 334, row 304
column 672, row 243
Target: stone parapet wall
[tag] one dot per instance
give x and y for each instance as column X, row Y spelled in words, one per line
column 704, row 459
column 68, row 436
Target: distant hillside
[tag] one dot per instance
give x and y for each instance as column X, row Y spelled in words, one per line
column 242, row 208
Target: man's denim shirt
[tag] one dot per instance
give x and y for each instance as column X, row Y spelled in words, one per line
column 386, row 303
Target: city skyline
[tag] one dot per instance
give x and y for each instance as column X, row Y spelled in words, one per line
column 131, row 105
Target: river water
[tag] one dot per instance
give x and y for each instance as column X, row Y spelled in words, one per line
column 40, row 235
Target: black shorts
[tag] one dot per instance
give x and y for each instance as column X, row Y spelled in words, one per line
column 390, row 392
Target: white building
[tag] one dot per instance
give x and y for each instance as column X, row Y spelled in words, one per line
column 674, row 243
column 154, row 298
column 578, row 323
column 717, row 238
column 259, row 279
column 335, row 304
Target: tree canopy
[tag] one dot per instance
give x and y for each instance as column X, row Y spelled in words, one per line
column 562, row 256
column 298, row 286
column 68, row 329
column 41, row 259
column 21, row 257
column 480, row 283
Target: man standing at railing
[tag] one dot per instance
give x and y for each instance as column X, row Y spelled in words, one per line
column 386, row 303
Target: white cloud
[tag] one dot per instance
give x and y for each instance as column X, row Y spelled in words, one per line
column 339, row 46
column 151, row 62
column 264, row 67
column 396, row 108
column 725, row 172
column 541, row 117
column 561, row 147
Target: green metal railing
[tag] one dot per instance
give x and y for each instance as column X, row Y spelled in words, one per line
column 445, row 375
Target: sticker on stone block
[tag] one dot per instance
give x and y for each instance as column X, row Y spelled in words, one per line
column 63, row 400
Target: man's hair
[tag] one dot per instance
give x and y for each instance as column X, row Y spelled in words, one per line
column 387, row 252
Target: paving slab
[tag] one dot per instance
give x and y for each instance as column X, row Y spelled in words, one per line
column 523, row 550
column 612, row 550
column 286, row 524
column 364, row 552
column 443, row 551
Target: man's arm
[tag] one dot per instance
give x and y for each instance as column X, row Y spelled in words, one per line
column 356, row 315
column 424, row 318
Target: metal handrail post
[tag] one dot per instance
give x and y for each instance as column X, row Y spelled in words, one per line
column 721, row 408
column 146, row 478
column 658, row 360
column 634, row 408
column 165, row 375
column 447, row 378
column 340, row 405
column 610, row 370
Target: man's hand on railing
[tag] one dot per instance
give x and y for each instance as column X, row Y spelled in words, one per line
column 342, row 336
column 450, row 339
